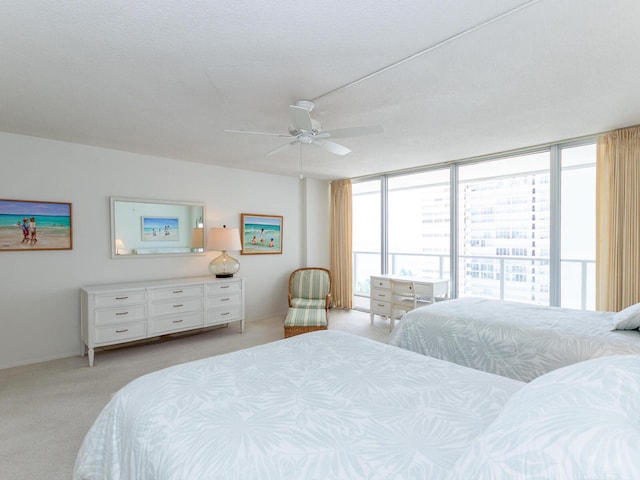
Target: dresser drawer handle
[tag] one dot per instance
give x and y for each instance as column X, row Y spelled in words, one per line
column 121, row 298
column 381, row 304
column 122, row 313
column 382, row 295
column 224, row 286
column 178, row 321
column 122, row 331
column 224, row 313
column 178, row 291
column 225, row 299
column 178, row 305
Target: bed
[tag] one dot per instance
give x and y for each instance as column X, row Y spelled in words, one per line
column 333, row 405
column 516, row 340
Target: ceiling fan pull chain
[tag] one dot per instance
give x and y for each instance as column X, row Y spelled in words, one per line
column 301, row 176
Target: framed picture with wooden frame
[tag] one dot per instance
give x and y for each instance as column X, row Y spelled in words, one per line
column 261, row 234
column 35, row 225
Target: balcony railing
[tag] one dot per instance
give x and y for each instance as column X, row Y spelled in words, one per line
column 513, row 278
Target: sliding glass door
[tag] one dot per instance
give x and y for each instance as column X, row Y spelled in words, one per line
column 518, row 227
column 418, row 224
column 366, row 238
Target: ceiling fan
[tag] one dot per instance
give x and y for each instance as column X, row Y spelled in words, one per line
column 303, row 129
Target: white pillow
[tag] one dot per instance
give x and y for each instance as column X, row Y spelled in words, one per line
column 627, row 319
column 577, row 422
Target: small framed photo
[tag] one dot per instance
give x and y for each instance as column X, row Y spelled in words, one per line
column 261, row 234
column 35, row 225
column 160, row 229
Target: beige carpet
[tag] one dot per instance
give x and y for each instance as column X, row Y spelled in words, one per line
column 47, row 408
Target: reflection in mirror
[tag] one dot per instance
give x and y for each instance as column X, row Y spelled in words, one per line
column 151, row 227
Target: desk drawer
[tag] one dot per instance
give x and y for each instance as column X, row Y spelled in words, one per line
column 382, row 295
column 380, row 308
column 120, row 333
column 175, row 323
column 384, row 283
column 126, row 314
column 176, row 292
column 176, row 306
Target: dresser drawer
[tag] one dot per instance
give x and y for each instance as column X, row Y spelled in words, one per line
column 178, row 305
column 122, row 298
column 383, row 283
column 223, row 288
column 126, row 314
column 175, row 323
column 382, row 295
column 216, row 316
column 224, row 300
column 380, row 308
column 120, row 333
column 176, row 292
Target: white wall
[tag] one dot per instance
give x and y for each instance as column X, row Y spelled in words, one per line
column 39, row 298
column 316, row 200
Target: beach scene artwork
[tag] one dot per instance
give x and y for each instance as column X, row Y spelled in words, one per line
column 261, row 234
column 160, row 229
column 34, row 225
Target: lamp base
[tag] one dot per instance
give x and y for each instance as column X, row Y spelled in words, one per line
column 224, row 266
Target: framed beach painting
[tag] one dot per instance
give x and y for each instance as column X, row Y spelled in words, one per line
column 35, row 225
column 160, row 229
column 261, row 233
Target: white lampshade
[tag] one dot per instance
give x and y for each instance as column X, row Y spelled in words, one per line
column 197, row 238
column 119, row 247
column 222, row 239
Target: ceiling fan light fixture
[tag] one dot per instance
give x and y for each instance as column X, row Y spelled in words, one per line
column 306, row 104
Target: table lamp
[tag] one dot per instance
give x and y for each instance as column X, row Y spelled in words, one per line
column 223, row 239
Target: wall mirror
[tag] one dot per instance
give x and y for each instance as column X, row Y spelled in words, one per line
column 143, row 228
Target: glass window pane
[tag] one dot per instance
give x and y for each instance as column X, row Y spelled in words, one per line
column 419, row 224
column 504, row 226
column 366, row 236
column 578, row 227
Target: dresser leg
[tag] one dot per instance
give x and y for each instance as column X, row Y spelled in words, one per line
column 90, row 353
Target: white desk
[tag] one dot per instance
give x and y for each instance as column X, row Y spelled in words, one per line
column 392, row 295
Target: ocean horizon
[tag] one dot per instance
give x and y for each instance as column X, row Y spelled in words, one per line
column 42, row 221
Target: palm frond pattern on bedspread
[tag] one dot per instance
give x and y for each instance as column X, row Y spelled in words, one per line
column 516, row 340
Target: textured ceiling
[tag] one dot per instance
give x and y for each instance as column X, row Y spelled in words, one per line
column 166, row 78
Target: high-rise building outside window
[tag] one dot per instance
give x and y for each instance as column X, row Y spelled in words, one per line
column 503, row 229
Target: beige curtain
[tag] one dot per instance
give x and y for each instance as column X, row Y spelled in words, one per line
column 618, row 219
column 341, row 248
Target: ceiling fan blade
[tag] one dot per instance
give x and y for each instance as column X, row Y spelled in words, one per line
column 331, row 147
column 354, row 131
column 300, row 118
column 282, row 148
column 259, row 133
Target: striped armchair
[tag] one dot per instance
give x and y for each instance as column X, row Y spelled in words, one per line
column 309, row 301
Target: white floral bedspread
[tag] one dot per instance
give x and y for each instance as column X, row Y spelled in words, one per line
column 323, row 405
column 516, row 340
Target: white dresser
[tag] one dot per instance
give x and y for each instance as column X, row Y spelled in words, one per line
column 125, row 312
column 391, row 294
